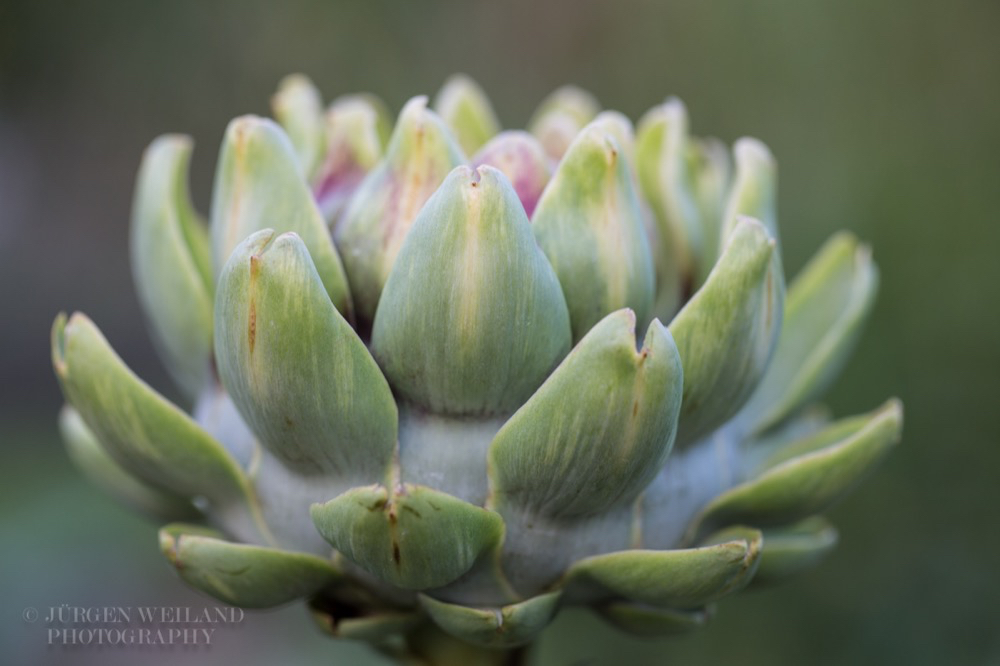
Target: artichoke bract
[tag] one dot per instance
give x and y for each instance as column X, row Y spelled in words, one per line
column 448, row 379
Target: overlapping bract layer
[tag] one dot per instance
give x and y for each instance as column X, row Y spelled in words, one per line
column 567, row 373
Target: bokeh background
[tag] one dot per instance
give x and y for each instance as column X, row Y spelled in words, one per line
column 884, row 116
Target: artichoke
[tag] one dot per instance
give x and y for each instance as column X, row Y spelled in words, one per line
column 449, row 379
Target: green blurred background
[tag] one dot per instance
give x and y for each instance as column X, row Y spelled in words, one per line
column 884, row 116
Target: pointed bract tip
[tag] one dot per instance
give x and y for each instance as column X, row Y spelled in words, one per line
column 671, row 112
column 291, row 86
column 655, row 330
column 413, row 106
column 168, row 546
column 175, row 141
column 259, row 241
column 673, row 105
column 628, row 315
column 490, row 176
column 752, row 224
column 58, row 338
column 892, row 411
column 293, row 80
column 752, row 150
column 459, row 78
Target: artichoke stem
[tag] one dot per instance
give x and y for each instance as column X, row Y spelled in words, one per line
column 430, row 646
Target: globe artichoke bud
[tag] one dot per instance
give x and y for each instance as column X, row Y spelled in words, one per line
column 442, row 399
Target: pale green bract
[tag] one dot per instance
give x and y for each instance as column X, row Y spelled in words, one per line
column 449, row 379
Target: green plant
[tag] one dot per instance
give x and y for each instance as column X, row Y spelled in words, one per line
column 386, row 356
